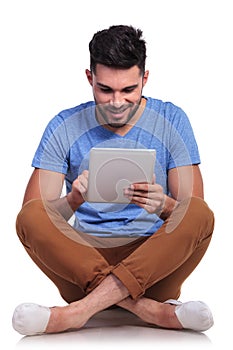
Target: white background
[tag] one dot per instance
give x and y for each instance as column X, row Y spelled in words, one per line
column 44, row 53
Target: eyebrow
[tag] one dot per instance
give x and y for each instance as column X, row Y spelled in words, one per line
column 108, row 87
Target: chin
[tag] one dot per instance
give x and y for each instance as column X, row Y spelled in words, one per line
column 116, row 125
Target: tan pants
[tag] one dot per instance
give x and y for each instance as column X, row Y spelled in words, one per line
column 154, row 266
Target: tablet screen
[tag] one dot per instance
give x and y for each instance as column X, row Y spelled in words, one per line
column 113, row 169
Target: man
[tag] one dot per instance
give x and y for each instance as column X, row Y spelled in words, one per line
column 135, row 256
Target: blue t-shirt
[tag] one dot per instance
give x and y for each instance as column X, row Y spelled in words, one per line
column 69, row 137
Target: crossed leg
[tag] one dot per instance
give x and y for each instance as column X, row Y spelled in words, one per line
column 110, row 292
column 123, row 284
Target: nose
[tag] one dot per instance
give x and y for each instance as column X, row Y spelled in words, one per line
column 117, row 99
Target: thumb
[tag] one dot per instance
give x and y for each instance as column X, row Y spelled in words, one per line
column 153, row 179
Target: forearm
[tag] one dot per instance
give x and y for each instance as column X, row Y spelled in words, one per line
column 70, row 203
column 67, row 205
column 63, row 207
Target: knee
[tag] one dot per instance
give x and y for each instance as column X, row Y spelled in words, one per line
column 199, row 214
column 202, row 211
column 26, row 217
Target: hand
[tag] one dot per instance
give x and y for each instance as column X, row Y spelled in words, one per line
column 147, row 196
column 79, row 190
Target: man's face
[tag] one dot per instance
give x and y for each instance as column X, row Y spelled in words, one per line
column 117, row 93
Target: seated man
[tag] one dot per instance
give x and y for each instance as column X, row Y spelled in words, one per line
column 135, row 255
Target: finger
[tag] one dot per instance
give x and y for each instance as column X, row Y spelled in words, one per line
column 85, row 173
column 139, row 187
column 81, row 184
column 146, row 205
column 79, row 187
column 153, row 179
column 140, row 200
column 83, row 180
column 141, row 193
column 145, row 187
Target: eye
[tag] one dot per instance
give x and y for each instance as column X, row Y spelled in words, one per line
column 128, row 90
column 106, row 90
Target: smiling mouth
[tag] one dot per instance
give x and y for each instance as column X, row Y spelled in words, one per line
column 118, row 110
column 117, row 116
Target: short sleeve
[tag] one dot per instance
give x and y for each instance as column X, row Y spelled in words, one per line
column 183, row 149
column 52, row 152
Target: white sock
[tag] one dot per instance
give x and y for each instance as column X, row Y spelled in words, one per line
column 30, row 319
column 194, row 315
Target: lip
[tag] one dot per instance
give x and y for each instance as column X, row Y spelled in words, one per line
column 117, row 113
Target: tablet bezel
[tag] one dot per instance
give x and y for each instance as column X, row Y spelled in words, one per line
column 140, row 164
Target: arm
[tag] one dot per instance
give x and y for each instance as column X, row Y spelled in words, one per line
column 47, row 185
column 183, row 182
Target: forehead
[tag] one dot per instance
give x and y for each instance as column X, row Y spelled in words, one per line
column 114, row 76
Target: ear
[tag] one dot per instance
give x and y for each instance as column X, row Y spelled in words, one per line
column 145, row 78
column 89, row 76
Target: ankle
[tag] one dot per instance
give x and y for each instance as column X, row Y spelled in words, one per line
column 65, row 318
column 109, row 292
column 168, row 318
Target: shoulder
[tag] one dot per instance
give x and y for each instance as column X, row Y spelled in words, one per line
column 169, row 113
column 68, row 115
column 73, row 110
column 165, row 108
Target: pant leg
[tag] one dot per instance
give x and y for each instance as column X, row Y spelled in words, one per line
column 58, row 249
column 170, row 286
column 69, row 291
column 61, row 253
column 166, row 258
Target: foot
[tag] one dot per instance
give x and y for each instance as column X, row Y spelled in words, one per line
column 194, row 315
column 66, row 318
column 153, row 312
column 32, row 319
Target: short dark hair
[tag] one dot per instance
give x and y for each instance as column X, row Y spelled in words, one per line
column 119, row 46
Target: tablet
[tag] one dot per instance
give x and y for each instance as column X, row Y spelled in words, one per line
column 113, row 169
